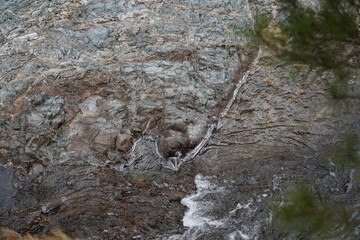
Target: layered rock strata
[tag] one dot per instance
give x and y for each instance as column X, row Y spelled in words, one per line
column 97, row 97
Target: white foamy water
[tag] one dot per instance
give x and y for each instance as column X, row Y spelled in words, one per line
column 206, row 217
column 196, row 215
column 235, row 235
column 199, row 217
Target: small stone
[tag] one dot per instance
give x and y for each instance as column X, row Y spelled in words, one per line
column 153, row 70
column 268, row 80
column 173, row 142
column 97, row 35
column 123, row 142
column 35, row 119
column 36, row 169
column 89, row 105
column 266, row 106
column 103, row 138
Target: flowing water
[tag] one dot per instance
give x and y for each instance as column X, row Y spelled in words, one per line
column 211, row 215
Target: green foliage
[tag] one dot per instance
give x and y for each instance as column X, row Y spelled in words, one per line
column 316, row 38
column 251, row 32
column 338, row 88
column 346, row 154
column 303, row 215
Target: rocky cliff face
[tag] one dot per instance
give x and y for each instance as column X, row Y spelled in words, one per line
column 99, row 98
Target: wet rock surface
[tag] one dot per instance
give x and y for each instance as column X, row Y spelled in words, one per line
column 97, row 96
column 96, row 202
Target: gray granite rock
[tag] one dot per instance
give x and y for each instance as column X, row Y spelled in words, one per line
column 88, row 88
column 97, row 35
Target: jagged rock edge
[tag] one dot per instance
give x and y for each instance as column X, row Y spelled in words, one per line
column 174, row 163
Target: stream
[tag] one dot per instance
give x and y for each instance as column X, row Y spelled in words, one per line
column 151, row 119
column 208, row 217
